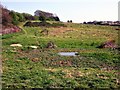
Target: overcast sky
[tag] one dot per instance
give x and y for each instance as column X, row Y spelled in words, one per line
column 76, row 10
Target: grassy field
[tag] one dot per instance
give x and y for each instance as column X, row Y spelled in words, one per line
column 24, row 67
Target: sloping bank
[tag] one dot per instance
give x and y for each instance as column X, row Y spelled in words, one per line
column 10, row 29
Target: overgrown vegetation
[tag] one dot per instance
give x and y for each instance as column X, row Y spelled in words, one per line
column 37, row 65
column 24, row 67
column 43, row 23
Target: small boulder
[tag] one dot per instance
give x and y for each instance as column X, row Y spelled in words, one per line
column 51, row 45
column 44, row 32
column 16, row 45
column 34, row 47
column 108, row 44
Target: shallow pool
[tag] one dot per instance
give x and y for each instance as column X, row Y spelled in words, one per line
column 68, row 53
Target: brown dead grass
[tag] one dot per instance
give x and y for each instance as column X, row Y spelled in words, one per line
column 60, row 30
column 72, row 73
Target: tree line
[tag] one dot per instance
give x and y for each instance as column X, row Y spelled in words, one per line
column 12, row 17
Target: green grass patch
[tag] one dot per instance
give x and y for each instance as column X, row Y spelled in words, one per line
column 24, row 67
